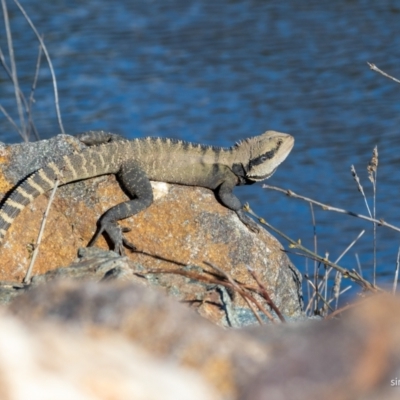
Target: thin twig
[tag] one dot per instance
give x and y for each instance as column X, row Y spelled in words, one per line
column 9, row 74
column 265, row 293
column 327, row 273
column 313, row 299
column 218, row 279
column 28, row 106
column 249, row 299
column 214, row 279
column 308, row 286
column 375, row 68
column 323, row 283
column 14, row 74
column 31, row 98
column 346, row 273
column 372, row 174
column 360, row 188
column 336, row 288
column 12, row 122
column 379, row 222
column 340, row 293
column 316, row 265
column 358, row 264
column 350, row 246
column 320, row 296
column 345, row 251
column 53, row 75
column 239, row 290
column 27, row 279
column 396, row 275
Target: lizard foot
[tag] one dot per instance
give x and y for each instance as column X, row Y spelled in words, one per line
column 115, row 234
column 252, row 225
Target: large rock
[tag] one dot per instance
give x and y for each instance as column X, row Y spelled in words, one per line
column 185, row 226
column 355, row 357
column 153, row 322
column 48, row 362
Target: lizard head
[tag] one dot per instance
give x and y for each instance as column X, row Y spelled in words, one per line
column 265, row 152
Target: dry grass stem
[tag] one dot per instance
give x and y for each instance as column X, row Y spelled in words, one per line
column 360, row 188
column 31, row 96
column 323, row 284
column 308, row 286
column 358, row 264
column 372, row 174
column 324, row 301
column 396, row 275
column 24, row 107
column 338, row 260
column 20, row 131
column 248, row 299
column 375, row 68
column 326, row 277
column 352, row 274
column 265, row 293
column 288, row 192
column 53, row 75
column 350, row 246
column 340, row 293
column 373, row 165
column 316, row 265
column 9, row 74
column 220, row 278
column 14, row 75
column 12, row 122
column 27, row 279
column 310, row 298
column 206, row 276
column 336, row 288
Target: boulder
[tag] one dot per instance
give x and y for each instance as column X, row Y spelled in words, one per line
column 48, row 362
column 150, row 320
column 180, row 239
column 356, row 356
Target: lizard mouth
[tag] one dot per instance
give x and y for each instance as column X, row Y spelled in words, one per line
column 258, row 178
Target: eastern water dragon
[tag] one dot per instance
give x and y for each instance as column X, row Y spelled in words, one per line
column 137, row 161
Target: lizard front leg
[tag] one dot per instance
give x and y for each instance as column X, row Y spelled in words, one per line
column 136, row 184
column 228, row 199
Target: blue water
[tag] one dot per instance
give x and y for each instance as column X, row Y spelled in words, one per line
column 216, row 72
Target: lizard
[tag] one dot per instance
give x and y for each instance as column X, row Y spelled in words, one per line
column 135, row 162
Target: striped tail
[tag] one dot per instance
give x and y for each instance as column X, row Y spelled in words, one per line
column 69, row 168
column 39, row 182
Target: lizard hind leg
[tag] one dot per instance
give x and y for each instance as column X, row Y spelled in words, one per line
column 115, row 233
column 136, row 184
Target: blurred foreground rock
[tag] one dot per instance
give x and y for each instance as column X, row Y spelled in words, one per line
column 355, row 357
column 183, row 231
column 155, row 323
column 48, row 362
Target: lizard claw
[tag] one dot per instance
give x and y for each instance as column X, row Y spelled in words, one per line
column 114, row 233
